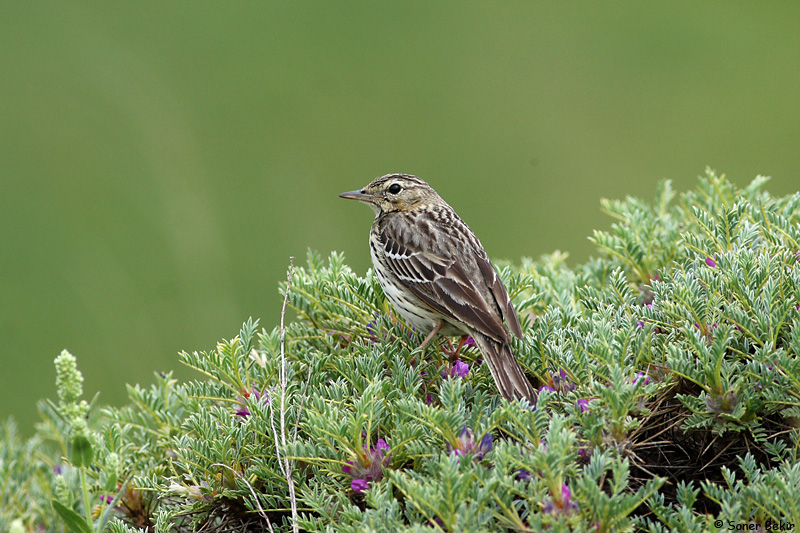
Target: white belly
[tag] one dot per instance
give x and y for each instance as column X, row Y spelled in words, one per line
column 414, row 311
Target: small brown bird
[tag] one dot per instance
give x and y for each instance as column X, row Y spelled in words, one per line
column 437, row 275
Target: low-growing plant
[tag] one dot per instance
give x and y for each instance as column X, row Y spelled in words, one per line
column 669, row 400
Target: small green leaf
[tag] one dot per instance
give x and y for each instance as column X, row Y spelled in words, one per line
column 82, row 452
column 71, row 519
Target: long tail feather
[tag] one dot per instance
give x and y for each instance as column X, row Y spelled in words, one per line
column 506, row 371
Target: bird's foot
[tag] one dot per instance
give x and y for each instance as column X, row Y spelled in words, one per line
column 454, row 353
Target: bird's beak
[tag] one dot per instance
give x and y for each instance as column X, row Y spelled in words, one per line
column 358, row 195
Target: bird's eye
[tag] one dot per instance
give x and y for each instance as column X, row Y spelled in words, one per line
column 395, row 188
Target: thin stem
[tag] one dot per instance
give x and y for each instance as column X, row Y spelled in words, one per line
column 87, row 509
column 287, row 466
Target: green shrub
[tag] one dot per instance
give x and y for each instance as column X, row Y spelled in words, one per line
column 669, row 378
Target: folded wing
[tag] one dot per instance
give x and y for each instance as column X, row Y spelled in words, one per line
column 467, row 290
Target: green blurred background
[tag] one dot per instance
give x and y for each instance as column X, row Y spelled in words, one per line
column 160, row 161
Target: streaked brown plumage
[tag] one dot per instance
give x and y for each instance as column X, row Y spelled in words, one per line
column 437, row 275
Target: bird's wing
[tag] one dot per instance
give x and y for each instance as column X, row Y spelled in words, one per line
column 500, row 293
column 466, row 289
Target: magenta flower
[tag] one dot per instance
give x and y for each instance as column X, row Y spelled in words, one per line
column 558, row 383
column 561, row 504
column 583, row 404
column 561, row 383
column 460, row 369
column 640, row 375
column 710, row 262
column 251, row 396
column 359, row 485
column 466, row 445
column 706, row 330
column 368, row 466
column 382, row 446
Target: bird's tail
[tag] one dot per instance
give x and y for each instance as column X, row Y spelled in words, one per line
column 506, row 371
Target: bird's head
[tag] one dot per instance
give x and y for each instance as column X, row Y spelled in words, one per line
column 394, row 192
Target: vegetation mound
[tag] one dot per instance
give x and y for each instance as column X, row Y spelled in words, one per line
column 669, row 383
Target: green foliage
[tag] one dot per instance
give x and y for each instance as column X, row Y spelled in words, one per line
column 670, row 397
column 26, row 478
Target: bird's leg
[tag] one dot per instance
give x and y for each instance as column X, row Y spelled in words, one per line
column 454, row 354
column 432, row 334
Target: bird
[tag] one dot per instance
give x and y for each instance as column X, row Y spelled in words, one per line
column 436, row 274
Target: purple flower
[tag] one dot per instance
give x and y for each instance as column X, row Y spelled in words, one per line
column 559, row 383
column 485, row 446
column 583, row 404
column 640, row 324
column 368, row 465
column 710, row 262
column 465, row 444
column 249, row 396
column 640, row 375
column 705, row 330
column 469, row 342
column 382, row 446
column 561, row 503
column 524, row 475
column 106, row 499
column 460, row 369
column 359, row 485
